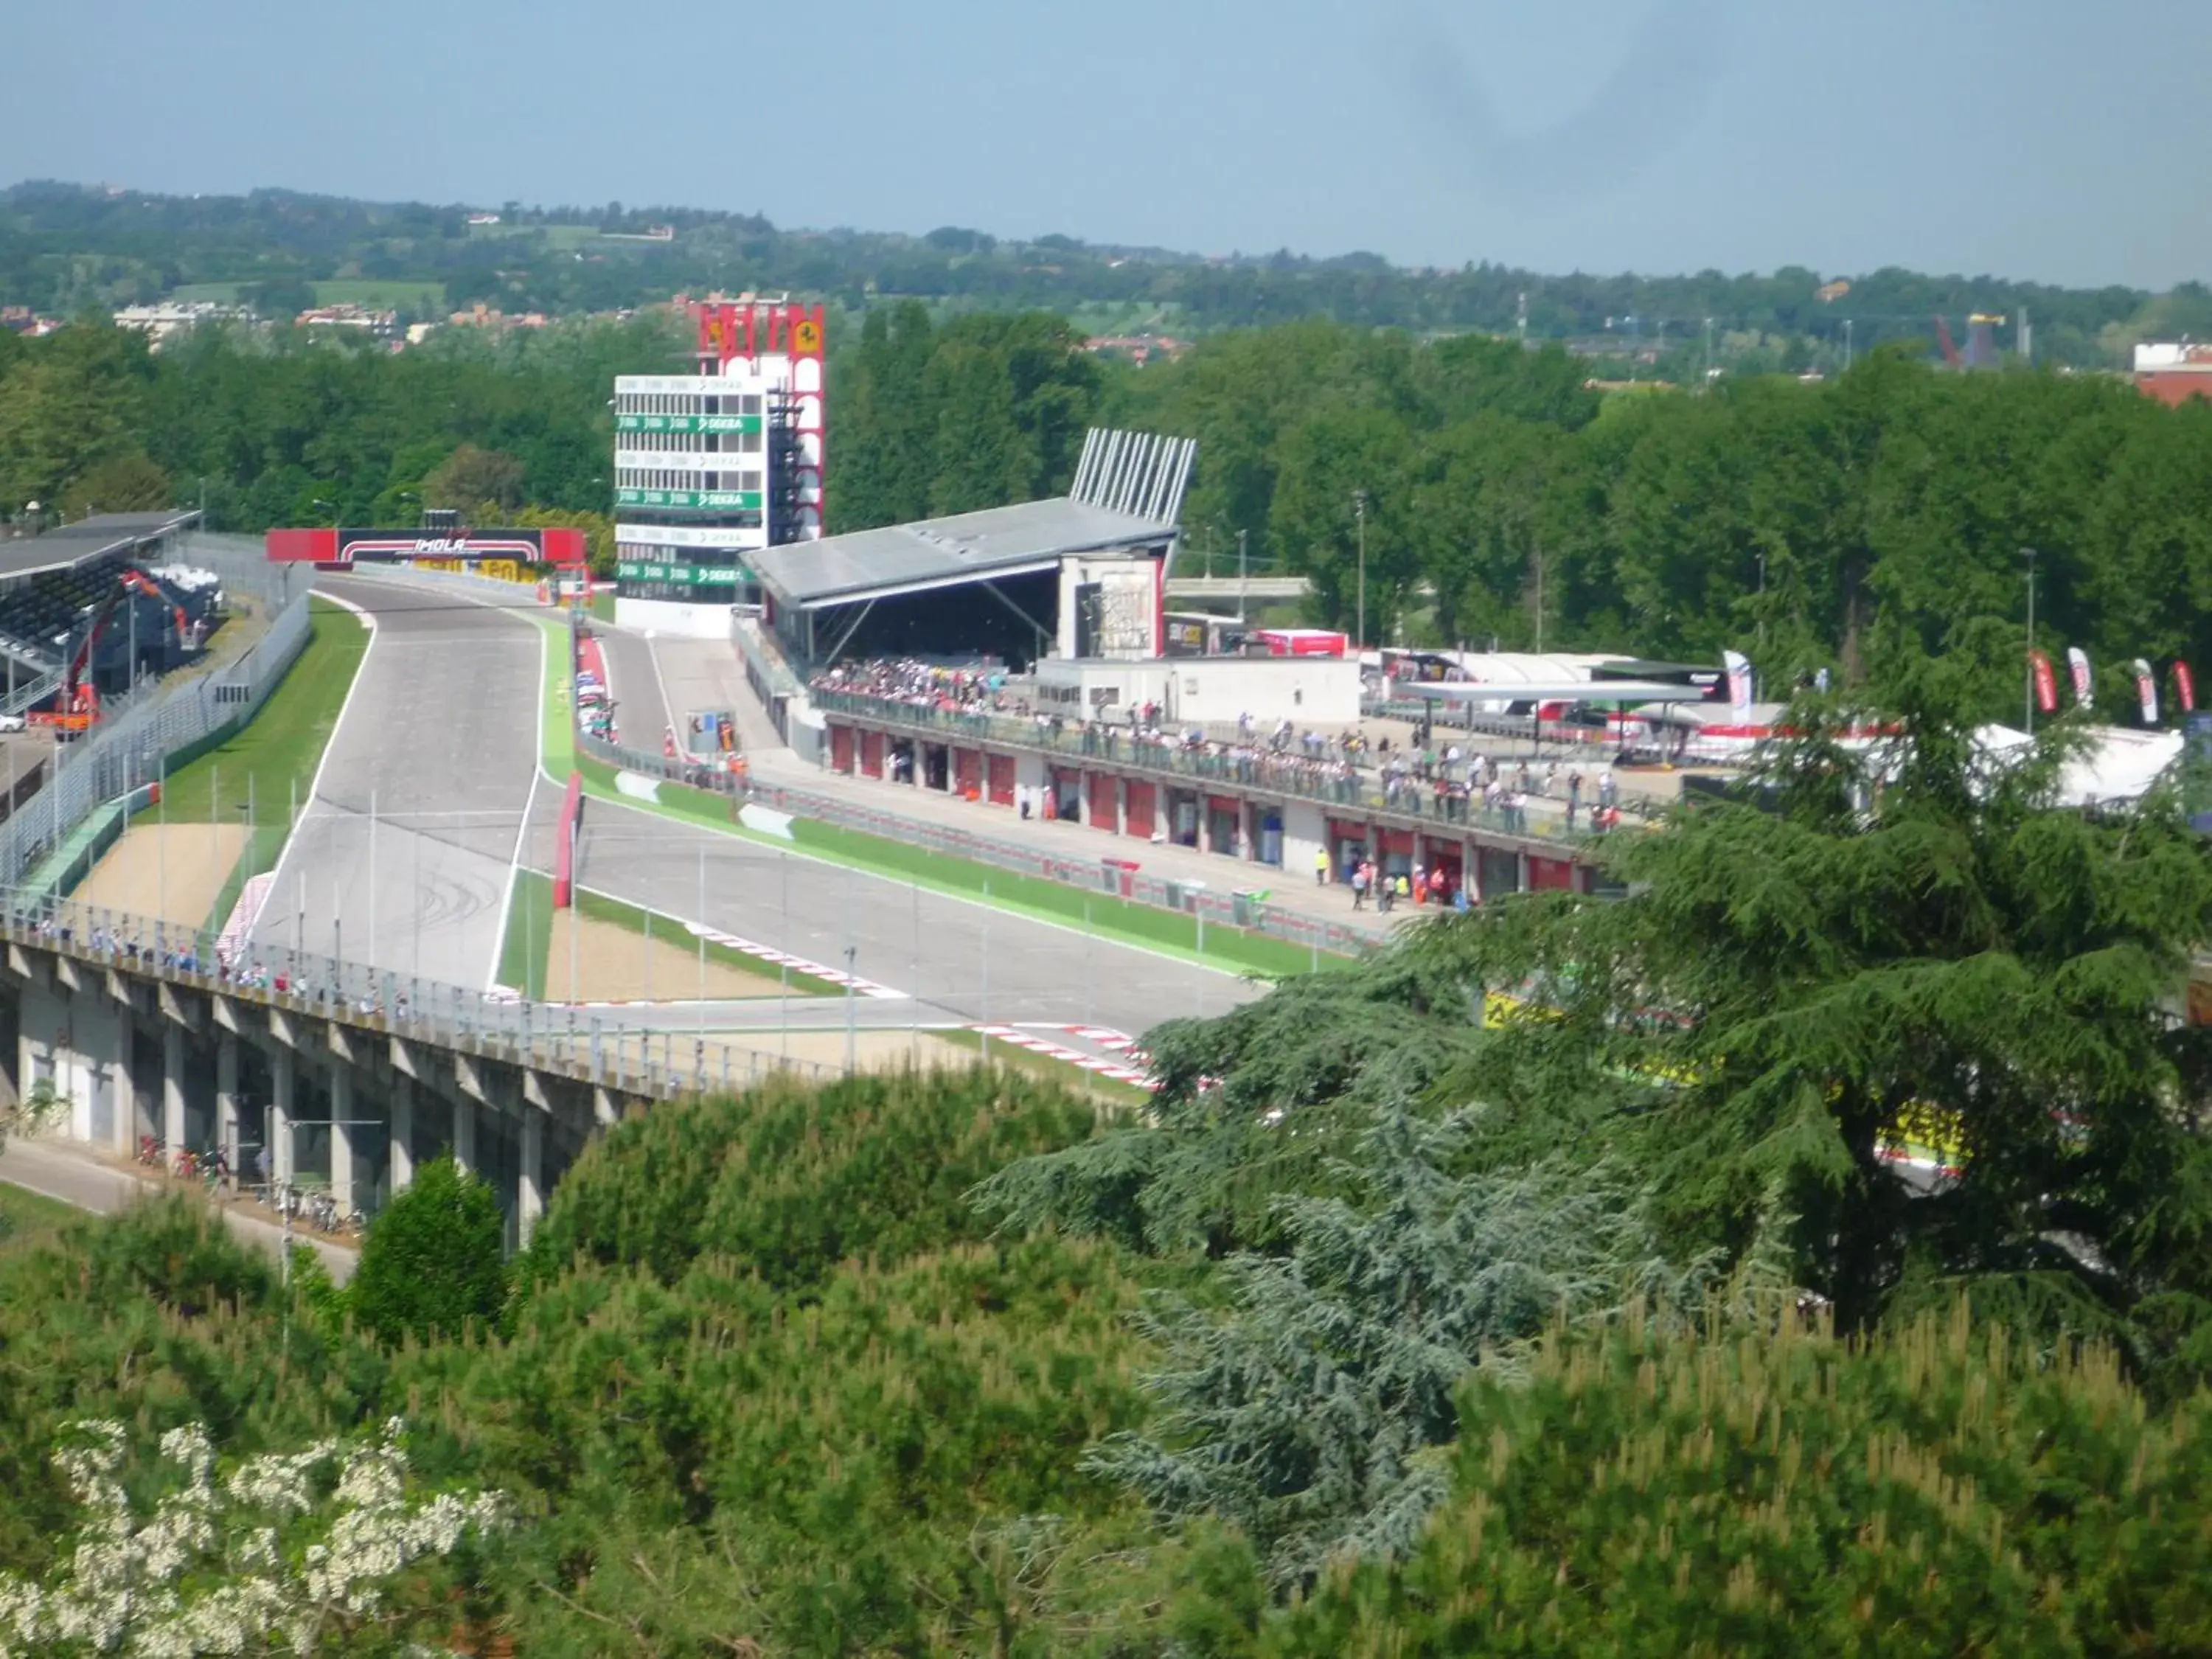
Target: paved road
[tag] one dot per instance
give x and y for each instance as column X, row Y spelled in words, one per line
column 76, row 1175
column 433, row 764
column 970, row 963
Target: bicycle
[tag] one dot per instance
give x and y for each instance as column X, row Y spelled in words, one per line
column 149, row 1151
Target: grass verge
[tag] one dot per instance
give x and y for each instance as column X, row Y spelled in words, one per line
column 272, row 758
column 529, row 939
column 263, row 771
column 1109, row 916
column 1104, row 1089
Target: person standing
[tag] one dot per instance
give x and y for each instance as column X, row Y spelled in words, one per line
column 1360, row 886
column 1320, row 867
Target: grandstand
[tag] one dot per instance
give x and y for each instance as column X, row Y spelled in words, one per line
column 53, row 588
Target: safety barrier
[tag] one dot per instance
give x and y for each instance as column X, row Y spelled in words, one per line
column 650, row 1061
column 165, row 724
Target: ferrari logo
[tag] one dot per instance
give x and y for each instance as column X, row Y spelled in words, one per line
column 807, row 337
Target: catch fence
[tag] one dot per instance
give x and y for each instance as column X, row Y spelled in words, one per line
column 166, row 723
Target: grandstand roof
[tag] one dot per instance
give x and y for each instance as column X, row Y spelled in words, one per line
column 88, row 539
column 935, row 553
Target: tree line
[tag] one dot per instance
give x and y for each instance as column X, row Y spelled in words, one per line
column 62, row 247
column 284, row 430
column 1491, row 493
column 1492, row 496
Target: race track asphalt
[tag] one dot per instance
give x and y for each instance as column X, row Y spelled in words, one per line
column 438, row 742
column 443, row 724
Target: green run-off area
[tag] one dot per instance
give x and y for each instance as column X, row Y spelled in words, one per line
column 270, row 763
column 261, row 776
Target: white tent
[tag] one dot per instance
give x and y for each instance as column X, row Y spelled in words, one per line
column 2119, row 762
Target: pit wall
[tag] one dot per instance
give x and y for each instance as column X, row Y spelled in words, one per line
column 1135, row 809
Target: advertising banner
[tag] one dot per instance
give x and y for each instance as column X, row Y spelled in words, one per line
column 2046, row 682
column 2185, row 688
column 690, row 575
column 2077, row 665
column 687, row 422
column 462, row 548
column 2146, row 691
column 1739, row 673
column 701, row 501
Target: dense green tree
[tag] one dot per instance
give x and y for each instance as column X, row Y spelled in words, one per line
column 1939, row 1491
column 883, row 423
column 433, row 1261
column 128, row 483
column 470, row 477
column 1911, row 942
column 793, row 1181
column 1307, row 1413
column 75, row 401
column 1343, row 516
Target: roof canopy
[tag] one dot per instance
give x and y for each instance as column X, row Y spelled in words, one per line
column 86, row 540
column 935, row 553
column 1612, row 691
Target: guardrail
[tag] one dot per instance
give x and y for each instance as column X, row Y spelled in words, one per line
column 650, row 1061
column 163, row 724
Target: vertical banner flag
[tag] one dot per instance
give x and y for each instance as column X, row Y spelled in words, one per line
column 2184, row 689
column 1739, row 673
column 2146, row 691
column 2077, row 665
column 2046, row 682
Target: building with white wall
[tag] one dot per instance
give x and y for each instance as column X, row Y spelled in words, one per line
column 1307, row 691
column 713, row 468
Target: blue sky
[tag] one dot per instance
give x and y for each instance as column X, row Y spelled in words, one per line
column 2045, row 139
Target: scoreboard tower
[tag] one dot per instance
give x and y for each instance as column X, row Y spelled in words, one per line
column 712, row 467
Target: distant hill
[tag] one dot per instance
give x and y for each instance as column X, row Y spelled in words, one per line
column 64, row 247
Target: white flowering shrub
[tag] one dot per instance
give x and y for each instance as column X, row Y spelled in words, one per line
column 272, row 1558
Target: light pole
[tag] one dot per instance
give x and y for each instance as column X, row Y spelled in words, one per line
column 1360, row 516
column 851, row 1034
column 2028, row 704
column 1243, row 571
